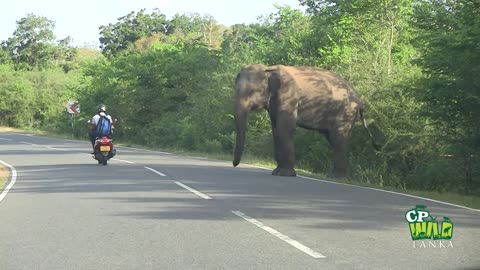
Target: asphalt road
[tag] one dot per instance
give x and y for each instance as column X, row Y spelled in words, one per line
column 154, row 210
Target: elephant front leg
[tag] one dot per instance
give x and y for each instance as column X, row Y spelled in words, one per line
column 273, row 121
column 284, row 145
column 340, row 140
column 284, row 172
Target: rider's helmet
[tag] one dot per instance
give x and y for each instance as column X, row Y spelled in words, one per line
column 101, row 108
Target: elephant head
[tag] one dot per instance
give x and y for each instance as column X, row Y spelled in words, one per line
column 251, row 93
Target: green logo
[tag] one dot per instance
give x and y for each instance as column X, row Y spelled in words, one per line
column 424, row 226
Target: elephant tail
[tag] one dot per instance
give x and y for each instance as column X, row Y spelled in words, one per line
column 374, row 143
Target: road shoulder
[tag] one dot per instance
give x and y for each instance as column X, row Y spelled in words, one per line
column 4, row 176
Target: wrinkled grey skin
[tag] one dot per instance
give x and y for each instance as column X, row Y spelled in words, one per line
column 307, row 97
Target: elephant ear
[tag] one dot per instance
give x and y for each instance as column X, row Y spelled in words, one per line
column 274, row 80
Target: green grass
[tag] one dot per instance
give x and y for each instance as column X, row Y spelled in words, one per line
column 4, row 176
column 460, row 199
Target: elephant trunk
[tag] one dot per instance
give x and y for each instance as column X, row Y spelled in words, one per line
column 241, row 126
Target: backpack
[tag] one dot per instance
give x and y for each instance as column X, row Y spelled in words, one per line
column 104, row 127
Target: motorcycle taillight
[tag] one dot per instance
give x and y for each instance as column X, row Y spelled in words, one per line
column 105, row 140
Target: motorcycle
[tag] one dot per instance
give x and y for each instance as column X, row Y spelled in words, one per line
column 103, row 149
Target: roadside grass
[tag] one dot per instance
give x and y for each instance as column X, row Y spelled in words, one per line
column 4, row 171
column 9, row 129
column 4, row 176
column 454, row 198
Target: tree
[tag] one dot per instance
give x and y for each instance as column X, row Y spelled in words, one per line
column 212, row 32
column 32, row 42
column 194, row 27
column 119, row 36
column 363, row 35
column 283, row 37
column 65, row 54
column 5, row 57
column 239, row 46
column 449, row 40
column 33, row 45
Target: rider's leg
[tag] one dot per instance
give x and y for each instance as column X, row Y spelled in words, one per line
column 92, row 140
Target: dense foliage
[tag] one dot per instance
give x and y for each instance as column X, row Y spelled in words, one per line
column 170, row 82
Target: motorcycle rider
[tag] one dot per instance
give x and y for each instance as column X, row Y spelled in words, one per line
column 93, row 133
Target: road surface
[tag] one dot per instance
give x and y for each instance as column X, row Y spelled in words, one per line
column 155, row 210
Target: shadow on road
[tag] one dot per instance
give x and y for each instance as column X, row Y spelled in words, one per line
column 253, row 191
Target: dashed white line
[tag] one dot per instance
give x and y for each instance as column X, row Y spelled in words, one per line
column 134, row 148
column 13, row 179
column 146, row 150
column 49, row 147
column 121, row 160
column 194, row 191
column 281, row 236
column 63, row 150
column 5, row 139
column 58, row 149
column 155, row 171
column 42, row 170
column 28, row 143
column 75, row 141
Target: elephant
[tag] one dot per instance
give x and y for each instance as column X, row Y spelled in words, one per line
column 308, row 97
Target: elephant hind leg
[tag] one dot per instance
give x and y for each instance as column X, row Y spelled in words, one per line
column 340, row 165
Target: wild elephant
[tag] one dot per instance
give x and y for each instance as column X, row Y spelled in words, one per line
column 307, row 97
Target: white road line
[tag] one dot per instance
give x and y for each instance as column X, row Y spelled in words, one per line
column 13, row 179
column 74, row 141
column 28, row 143
column 199, row 158
column 300, row 176
column 377, row 189
column 64, row 150
column 42, row 170
column 146, row 150
column 126, row 161
column 58, row 149
column 155, row 171
column 393, row 192
column 49, row 147
column 281, row 236
column 33, row 135
column 5, row 139
column 194, row 191
column 134, row 148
